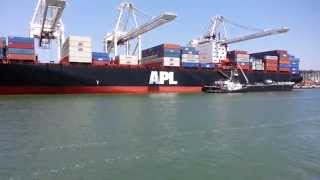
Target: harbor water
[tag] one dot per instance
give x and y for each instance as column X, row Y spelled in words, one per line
column 249, row 136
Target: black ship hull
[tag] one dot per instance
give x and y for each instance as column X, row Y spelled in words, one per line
column 69, row 79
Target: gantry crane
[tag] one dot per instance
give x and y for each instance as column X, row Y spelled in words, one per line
column 213, row 35
column 123, row 35
column 46, row 24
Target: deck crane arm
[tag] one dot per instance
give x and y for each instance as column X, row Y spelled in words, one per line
column 215, row 23
column 149, row 26
column 255, row 36
column 46, row 23
column 121, row 35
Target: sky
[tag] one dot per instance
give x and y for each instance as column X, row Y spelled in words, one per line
column 96, row 18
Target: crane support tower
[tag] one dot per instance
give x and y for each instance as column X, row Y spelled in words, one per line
column 122, row 35
column 46, row 24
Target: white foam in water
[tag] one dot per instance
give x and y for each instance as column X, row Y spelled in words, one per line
column 72, row 146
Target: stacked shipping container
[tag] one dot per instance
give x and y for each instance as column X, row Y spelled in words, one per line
column 257, row 64
column 284, row 63
column 189, row 57
column 126, row 60
column 20, row 49
column 162, row 55
column 277, row 60
column 271, row 63
column 211, row 53
column 100, row 58
column 2, row 47
column 77, row 50
column 294, row 65
column 241, row 58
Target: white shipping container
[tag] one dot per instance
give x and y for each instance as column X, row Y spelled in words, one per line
column 257, row 61
column 165, row 61
column 258, row 67
column 243, row 56
column 190, row 60
column 271, row 57
column 127, row 60
column 242, row 60
column 210, row 53
column 190, row 56
column 73, row 59
column 78, row 49
column 175, row 62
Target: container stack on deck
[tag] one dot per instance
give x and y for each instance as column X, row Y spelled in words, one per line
column 162, row 55
column 189, row 57
column 241, row 58
column 284, row 63
column 294, row 65
column 277, row 60
column 100, row 58
column 257, row 64
column 20, row 49
column 126, row 60
column 2, row 48
column 77, row 50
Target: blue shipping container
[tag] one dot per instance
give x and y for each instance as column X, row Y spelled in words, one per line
column 2, row 53
column 207, row 65
column 2, row 40
column 294, row 70
column 20, row 39
column 100, row 56
column 185, row 48
column 295, row 63
column 190, row 65
column 170, row 54
column 189, row 50
column 160, row 51
column 20, row 51
column 284, row 65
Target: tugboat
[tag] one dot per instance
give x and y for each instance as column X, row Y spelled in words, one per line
column 232, row 85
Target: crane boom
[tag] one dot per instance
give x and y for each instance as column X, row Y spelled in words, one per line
column 153, row 24
column 144, row 28
column 255, row 35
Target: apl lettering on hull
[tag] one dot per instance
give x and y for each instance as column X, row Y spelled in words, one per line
column 162, row 78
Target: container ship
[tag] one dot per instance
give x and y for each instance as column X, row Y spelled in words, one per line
column 166, row 68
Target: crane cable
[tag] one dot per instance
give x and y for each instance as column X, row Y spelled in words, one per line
column 242, row 26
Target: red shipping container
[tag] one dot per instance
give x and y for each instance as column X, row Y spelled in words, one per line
column 154, row 64
column 25, row 57
column 171, row 46
column 270, row 61
column 244, row 67
column 238, row 52
column 284, row 61
column 271, row 69
column 284, row 69
column 100, row 63
column 21, row 45
column 271, row 64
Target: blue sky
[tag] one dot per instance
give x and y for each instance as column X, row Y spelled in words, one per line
column 95, row 18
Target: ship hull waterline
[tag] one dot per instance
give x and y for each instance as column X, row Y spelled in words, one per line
column 73, row 79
